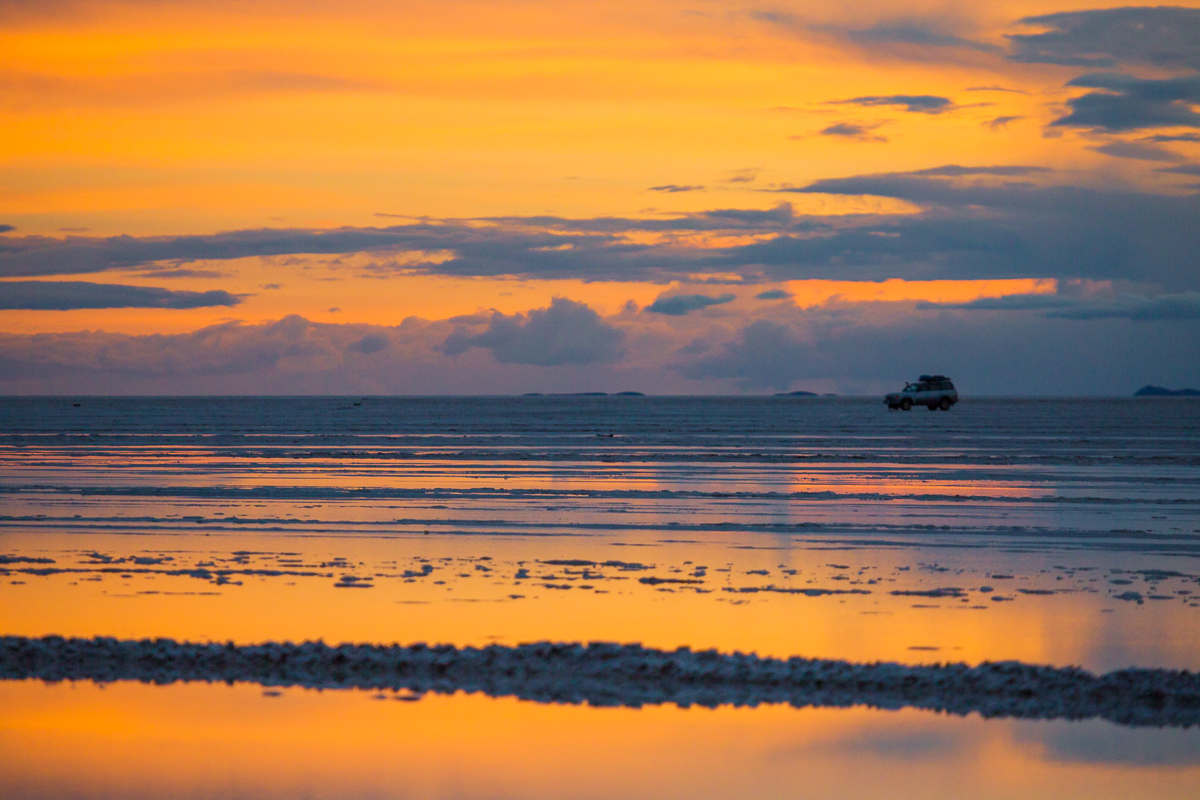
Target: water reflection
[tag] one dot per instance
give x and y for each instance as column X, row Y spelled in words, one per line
column 193, row 740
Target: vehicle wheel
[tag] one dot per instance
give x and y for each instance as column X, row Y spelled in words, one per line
column 932, row 406
column 945, row 404
column 905, row 404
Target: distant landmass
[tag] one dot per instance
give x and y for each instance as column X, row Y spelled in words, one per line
column 1160, row 391
column 796, row 394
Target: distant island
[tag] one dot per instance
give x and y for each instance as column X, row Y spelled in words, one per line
column 1160, row 391
column 796, row 394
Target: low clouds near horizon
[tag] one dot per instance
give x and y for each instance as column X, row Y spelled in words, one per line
column 1041, row 344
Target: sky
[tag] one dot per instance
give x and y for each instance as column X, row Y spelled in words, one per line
column 678, row 197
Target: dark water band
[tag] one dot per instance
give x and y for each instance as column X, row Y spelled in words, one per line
column 604, row 674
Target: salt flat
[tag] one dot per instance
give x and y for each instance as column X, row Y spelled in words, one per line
column 1048, row 532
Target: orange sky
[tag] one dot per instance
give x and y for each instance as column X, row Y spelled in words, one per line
column 176, row 118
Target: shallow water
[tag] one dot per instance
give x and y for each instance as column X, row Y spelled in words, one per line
column 1058, row 532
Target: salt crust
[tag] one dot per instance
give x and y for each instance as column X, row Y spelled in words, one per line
column 606, row 674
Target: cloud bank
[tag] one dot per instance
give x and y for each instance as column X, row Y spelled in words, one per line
column 974, row 222
column 565, row 333
column 70, row 295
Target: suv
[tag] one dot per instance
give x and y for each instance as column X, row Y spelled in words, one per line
column 931, row 391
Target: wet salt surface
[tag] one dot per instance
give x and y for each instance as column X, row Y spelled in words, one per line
column 213, row 740
column 1047, row 532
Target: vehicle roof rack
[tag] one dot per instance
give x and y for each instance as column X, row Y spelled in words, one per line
column 933, row 378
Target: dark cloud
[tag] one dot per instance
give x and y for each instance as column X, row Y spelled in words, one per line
column 1182, row 306
column 35, row 255
column 672, row 188
column 1126, row 103
column 181, row 272
column 773, row 294
column 987, row 221
column 1183, row 169
column 64, row 296
column 916, row 103
column 853, row 130
column 565, row 333
column 1137, row 150
column 1176, row 137
column 1163, row 36
column 994, row 228
column 6, row 228
column 680, row 304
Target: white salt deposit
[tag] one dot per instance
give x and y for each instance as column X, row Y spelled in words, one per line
column 606, row 674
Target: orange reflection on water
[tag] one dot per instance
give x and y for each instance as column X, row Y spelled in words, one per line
column 198, row 740
column 1065, row 628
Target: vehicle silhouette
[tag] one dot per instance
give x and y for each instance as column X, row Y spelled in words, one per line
column 931, row 391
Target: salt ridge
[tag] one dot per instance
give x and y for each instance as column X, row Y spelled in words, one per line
column 605, row 674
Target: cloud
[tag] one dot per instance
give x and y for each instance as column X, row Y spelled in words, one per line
column 64, row 296
column 915, row 103
column 1178, row 137
column 1164, row 37
column 1127, row 103
column 1183, row 169
column 853, row 130
column 995, row 89
column 773, row 294
column 181, row 272
column 959, row 171
column 911, row 38
column 672, row 188
column 565, row 333
column 966, row 222
column 371, row 343
column 767, row 355
column 262, row 352
column 747, row 175
column 975, row 226
column 1000, row 123
column 1181, row 306
column 680, row 304
column 6, row 228
column 1138, row 151
column 842, row 347
column 985, row 353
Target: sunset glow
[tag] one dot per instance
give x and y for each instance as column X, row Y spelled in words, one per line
column 888, row 165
